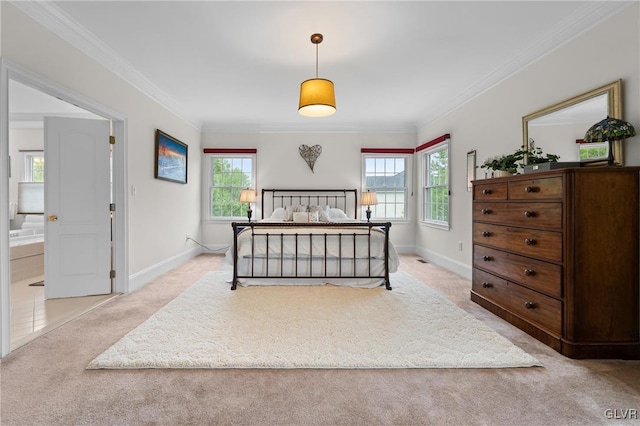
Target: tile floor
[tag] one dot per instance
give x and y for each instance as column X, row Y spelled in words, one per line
column 32, row 315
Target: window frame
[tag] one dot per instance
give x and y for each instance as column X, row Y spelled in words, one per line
column 27, row 164
column 408, row 162
column 426, row 186
column 208, row 184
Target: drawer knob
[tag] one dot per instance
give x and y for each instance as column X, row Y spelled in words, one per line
column 487, row 258
column 530, row 241
column 485, row 211
column 486, row 233
column 529, row 213
column 487, row 285
column 529, row 189
column 529, row 272
column 529, row 305
column 486, row 191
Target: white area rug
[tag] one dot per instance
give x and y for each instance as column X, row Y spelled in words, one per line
column 412, row 326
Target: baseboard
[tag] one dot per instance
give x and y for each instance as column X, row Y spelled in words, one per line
column 445, row 262
column 405, row 249
column 142, row 278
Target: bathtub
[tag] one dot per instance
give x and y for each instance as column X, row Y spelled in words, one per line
column 20, row 237
column 26, row 254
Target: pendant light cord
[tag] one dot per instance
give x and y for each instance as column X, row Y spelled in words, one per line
column 316, row 60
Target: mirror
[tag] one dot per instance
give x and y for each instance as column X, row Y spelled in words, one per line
column 556, row 129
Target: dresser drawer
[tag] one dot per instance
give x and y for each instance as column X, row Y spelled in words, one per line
column 546, row 245
column 533, row 189
column 490, row 191
column 536, row 274
column 534, row 215
column 544, row 311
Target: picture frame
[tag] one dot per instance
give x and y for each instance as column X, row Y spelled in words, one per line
column 471, row 169
column 595, row 151
column 171, row 158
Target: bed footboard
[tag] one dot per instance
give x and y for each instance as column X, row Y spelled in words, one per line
column 320, row 251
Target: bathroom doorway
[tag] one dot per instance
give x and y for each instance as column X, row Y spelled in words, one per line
column 29, row 314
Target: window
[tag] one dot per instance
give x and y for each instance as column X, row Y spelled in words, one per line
column 387, row 176
column 436, row 185
column 228, row 175
column 33, row 166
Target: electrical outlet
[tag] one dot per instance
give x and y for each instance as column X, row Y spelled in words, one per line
column 187, row 237
column 460, row 245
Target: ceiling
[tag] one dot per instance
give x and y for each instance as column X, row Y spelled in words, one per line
column 238, row 65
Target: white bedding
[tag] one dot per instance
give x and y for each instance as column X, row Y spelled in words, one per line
column 368, row 259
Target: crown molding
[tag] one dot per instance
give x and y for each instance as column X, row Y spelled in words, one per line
column 402, row 128
column 584, row 19
column 47, row 14
column 51, row 17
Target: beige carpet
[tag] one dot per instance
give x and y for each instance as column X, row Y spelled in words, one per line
column 413, row 326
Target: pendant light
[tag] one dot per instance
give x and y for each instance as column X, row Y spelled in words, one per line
column 317, row 97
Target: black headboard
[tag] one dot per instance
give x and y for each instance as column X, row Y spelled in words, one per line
column 345, row 199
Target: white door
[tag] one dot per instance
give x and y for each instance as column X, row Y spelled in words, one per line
column 77, row 214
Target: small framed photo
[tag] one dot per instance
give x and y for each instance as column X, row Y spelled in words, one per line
column 594, row 151
column 171, row 158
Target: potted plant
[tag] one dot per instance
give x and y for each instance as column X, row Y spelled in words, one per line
column 503, row 165
column 508, row 164
column 535, row 157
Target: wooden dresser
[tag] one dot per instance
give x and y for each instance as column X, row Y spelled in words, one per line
column 556, row 254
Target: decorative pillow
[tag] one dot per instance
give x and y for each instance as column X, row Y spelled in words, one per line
column 280, row 214
column 293, row 209
column 336, row 214
column 305, row 217
column 322, row 212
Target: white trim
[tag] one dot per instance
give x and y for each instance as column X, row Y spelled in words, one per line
column 60, row 23
column 15, row 72
column 408, row 182
column 449, row 264
column 446, row 144
column 207, row 185
column 5, row 277
column 590, row 15
column 144, row 277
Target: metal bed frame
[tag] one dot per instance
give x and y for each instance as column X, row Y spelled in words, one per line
column 340, row 198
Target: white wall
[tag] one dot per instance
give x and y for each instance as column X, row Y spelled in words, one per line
column 279, row 165
column 161, row 212
column 491, row 123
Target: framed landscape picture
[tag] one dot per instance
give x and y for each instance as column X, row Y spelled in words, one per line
column 171, row 158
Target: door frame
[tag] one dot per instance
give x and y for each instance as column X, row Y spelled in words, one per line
column 120, row 233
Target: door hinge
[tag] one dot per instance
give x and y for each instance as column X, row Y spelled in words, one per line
column 112, row 140
column 112, row 274
column 112, row 207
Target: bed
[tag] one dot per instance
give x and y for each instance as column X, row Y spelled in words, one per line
column 312, row 236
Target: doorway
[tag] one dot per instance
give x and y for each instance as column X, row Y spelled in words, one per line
column 30, row 98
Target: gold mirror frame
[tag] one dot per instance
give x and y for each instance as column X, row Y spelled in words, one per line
column 614, row 98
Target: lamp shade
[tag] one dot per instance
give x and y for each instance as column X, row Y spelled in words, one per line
column 317, row 98
column 248, row 196
column 368, row 199
column 609, row 129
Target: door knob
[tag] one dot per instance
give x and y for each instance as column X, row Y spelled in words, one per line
column 53, row 218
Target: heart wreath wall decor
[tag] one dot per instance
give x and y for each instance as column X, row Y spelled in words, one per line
column 310, row 154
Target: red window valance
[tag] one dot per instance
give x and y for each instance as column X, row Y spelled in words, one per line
column 230, row 150
column 433, row 142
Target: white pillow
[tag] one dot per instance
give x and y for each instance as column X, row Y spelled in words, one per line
column 280, row 214
column 293, row 209
column 305, row 217
column 336, row 214
column 321, row 211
